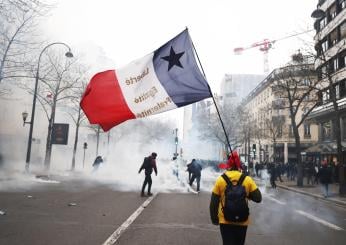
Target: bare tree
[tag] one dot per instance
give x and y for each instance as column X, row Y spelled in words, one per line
column 297, row 84
column 75, row 111
column 17, row 24
column 56, row 86
column 153, row 130
column 273, row 123
column 245, row 132
column 210, row 127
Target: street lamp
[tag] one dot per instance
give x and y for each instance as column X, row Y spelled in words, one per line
column 318, row 13
column 25, row 116
column 85, row 146
column 68, row 54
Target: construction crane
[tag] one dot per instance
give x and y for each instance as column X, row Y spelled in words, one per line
column 264, row 46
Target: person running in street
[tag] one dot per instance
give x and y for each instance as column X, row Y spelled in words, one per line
column 148, row 165
column 231, row 232
column 194, row 169
column 272, row 171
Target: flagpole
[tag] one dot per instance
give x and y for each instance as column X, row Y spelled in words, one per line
column 217, row 109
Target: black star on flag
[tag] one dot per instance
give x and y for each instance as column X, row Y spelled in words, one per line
column 173, row 59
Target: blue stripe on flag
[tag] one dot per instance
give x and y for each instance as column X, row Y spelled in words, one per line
column 176, row 68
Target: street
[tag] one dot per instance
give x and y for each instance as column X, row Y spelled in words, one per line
column 79, row 212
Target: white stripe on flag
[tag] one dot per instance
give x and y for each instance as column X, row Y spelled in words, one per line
column 141, row 88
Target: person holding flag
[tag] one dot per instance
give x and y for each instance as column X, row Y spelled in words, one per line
column 232, row 232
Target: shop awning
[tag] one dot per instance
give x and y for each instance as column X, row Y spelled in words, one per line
column 324, row 148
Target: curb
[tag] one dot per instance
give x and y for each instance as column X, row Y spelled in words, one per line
column 332, row 200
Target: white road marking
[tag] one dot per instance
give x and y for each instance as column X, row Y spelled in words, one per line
column 310, row 216
column 118, row 232
column 275, row 200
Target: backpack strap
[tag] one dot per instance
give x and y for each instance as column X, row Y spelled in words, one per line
column 241, row 179
column 225, row 177
column 228, row 181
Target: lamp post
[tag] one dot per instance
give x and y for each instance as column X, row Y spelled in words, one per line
column 176, row 143
column 85, row 146
column 68, row 54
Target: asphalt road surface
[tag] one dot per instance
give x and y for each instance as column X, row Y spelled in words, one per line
column 74, row 212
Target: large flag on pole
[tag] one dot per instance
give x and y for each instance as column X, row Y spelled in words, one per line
column 163, row 80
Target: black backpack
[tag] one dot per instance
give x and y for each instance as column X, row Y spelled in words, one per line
column 147, row 165
column 235, row 208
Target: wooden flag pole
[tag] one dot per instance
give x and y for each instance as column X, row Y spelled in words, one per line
column 217, row 109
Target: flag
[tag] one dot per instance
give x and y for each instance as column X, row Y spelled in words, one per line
column 163, row 80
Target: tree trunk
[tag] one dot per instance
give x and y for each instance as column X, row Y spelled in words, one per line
column 300, row 176
column 75, row 148
column 47, row 158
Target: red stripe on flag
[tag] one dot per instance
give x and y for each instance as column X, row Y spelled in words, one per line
column 103, row 101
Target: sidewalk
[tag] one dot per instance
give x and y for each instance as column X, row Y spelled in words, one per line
column 314, row 191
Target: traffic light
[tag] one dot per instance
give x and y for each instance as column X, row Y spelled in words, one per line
column 254, row 148
column 176, row 140
column 85, row 145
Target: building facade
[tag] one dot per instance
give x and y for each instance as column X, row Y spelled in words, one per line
column 330, row 45
column 271, row 135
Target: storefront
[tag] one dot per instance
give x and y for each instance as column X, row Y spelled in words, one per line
column 325, row 151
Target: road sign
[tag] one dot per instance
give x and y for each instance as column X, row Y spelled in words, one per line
column 60, row 133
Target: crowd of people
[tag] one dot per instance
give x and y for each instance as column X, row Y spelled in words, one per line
column 314, row 173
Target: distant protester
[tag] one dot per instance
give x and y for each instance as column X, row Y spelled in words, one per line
column 325, row 177
column 149, row 164
column 194, row 169
column 97, row 162
column 175, row 167
column 272, row 172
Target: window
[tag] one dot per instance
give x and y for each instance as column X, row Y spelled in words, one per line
column 306, row 98
column 323, row 23
column 326, row 130
column 319, row 73
column 343, row 30
column 305, row 110
column 337, row 91
column 279, row 130
column 324, row 45
column 333, row 37
column 325, row 96
column 342, row 89
column 306, row 82
column 290, row 133
column 307, row 132
column 323, row 71
column 335, row 64
column 342, row 59
column 320, row 100
column 344, row 128
column 332, row 12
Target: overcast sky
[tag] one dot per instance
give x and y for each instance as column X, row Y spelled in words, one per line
column 129, row 29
